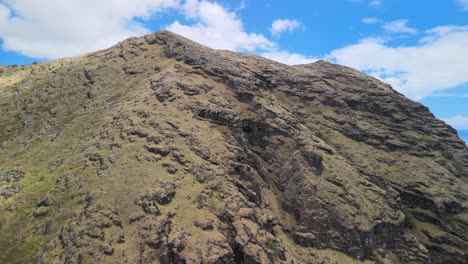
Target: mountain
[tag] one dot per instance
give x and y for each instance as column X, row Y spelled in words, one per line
column 160, row 150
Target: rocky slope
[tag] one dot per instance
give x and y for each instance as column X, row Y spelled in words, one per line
column 160, row 150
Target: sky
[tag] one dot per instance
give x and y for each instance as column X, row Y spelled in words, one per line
column 420, row 47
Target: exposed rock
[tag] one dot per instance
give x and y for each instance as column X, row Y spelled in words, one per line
column 163, row 195
column 41, row 212
column 121, row 239
column 156, row 150
column 107, row 250
column 97, row 158
column 208, row 225
column 132, row 70
column 162, row 91
column 90, row 75
column 9, row 183
column 44, row 202
column 149, row 206
column 135, row 218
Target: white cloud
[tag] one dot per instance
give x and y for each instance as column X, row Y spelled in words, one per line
column 191, row 8
column 288, row 58
column 463, row 4
column 370, row 20
column 53, row 29
column 458, row 122
column 241, row 6
column 217, row 28
column 282, row 25
column 399, row 26
column 4, row 13
column 436, row 64
column 442, row 31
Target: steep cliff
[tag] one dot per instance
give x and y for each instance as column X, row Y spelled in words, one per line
column 162, row 150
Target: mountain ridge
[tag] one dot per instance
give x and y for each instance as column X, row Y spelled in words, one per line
column 222, row 157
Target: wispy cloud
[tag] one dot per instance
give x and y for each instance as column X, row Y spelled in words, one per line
column 463, row 4
column 211, row 24
column 417, row 71
column 370, row 20
column 458, row 122
column 442, row 31
column 399, row 26
column 375, row 3
column 371, row 3
column 284, row 25
column 453, row 95
column 288, row 58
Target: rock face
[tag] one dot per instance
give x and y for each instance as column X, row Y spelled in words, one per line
column 160, row 150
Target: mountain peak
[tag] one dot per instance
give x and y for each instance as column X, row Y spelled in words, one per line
column 160, row 149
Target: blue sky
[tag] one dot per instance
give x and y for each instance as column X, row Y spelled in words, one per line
column 420, row 47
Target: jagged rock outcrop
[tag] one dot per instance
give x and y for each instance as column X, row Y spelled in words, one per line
column 160, row 150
